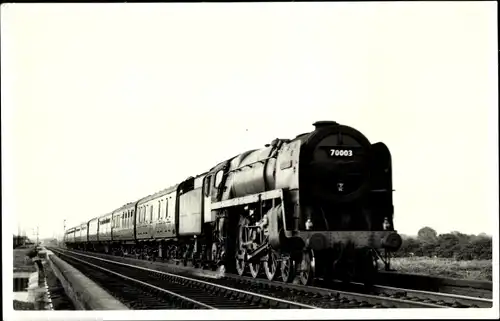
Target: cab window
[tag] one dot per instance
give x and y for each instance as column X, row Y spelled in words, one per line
column 218, row 178
column 207, row 185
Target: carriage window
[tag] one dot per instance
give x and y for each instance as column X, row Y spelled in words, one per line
column 151, row 213
column 166, row 207
column 159, row 210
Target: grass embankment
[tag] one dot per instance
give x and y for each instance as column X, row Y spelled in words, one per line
column 23, row 306
column 20, row 263
column 480, row 270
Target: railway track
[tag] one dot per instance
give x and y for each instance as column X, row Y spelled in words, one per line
column 312, row 297
column 373, row 294
column 141, row 288
column 389, row 280
column 480, row 289
column 383, row 292
column 445, row 299
column 453, row 300
column 134, row 295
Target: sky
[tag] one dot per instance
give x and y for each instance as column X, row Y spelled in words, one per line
column 103, row 104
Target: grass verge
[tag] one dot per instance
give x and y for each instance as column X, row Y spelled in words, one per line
column 20, row 264
column 480, row 270
column 20, row 305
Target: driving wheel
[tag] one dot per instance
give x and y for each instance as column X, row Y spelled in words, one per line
column 271, row 265
column 287, row 269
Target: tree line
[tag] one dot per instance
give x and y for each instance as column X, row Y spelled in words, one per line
column 454, row 245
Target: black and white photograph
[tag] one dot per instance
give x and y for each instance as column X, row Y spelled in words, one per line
column 175, row 161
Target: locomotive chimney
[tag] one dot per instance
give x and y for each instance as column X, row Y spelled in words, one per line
column 324, row 123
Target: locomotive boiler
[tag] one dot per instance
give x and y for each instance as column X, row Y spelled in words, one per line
column 318, row 205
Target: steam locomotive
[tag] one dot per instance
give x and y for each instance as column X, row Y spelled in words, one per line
column 318, row 205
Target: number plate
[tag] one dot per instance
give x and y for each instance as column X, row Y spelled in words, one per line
column 340, row 152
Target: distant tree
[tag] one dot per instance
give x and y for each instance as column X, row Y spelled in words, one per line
column 427, row 235
column 448, row 240
column 409, row 245
column 429, row 249
column 462, row 238
column 454, row 245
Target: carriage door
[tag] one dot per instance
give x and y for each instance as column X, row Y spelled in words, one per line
column 207, row 202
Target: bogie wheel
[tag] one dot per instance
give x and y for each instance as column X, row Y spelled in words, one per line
column 305, row 269
column 287, row 269
column 254, row 269
column 271, row 265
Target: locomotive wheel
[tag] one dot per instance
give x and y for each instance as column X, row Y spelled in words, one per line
column 349, row 269
column 214, row 257
column 254, row 269
column 242, row 238
column 186, row 256
column 240, row 266
column 306, row 269
column 271, row 265
column 366, row 267
column 287, row 270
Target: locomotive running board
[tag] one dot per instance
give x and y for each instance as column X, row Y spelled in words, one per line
column 277, row 193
